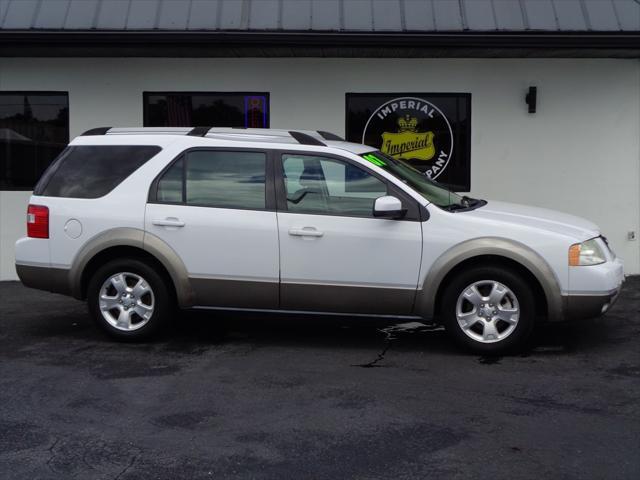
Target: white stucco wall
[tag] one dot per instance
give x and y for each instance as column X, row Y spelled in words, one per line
column 579, row 154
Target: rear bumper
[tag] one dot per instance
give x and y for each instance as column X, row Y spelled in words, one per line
column 44, row 278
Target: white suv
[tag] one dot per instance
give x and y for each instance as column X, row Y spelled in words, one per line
column 138, row 221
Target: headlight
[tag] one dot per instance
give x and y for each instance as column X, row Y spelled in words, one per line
column 586, row 253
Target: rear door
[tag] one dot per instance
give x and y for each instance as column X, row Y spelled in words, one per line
column 334, row 255
column 215, row 209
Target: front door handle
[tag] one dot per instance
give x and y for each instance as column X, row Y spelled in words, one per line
column 168, row 222
column 305, row 232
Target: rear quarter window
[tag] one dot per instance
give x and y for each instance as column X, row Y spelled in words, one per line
column 92, row 171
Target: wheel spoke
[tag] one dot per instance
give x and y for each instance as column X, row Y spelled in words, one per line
column 472, row 295
column 490, row 332
column 507, row 314
column 124, row 319
column 140, row 288
column 108, row 303
column 467, row 320
column 497, row 293
column 119, row 282
column 143, row 311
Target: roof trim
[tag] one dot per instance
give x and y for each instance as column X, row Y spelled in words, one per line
column 15, row 43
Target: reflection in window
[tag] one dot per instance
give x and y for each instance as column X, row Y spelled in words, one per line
column 327, row 186
column 226, row 179
column 248, row 110
column 170, row 185
column 34, row 129
column 216, row 179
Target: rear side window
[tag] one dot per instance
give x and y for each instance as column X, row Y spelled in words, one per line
column 92, row 171
column 213, row 178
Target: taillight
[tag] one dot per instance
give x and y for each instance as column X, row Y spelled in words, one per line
column 37, row 221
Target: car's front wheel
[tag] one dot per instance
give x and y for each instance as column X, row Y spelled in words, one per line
column 128, row 299
column 489, row 310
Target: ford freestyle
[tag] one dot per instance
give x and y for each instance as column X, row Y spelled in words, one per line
column 139, row 221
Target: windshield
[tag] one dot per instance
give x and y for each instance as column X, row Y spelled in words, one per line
column 432, row 191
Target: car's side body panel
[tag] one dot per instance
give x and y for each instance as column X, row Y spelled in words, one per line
column 230, row 256
column 365, row 265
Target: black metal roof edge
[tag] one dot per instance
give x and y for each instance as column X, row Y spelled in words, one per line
column 230, row 39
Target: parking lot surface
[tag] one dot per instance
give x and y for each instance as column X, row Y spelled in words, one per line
column 233, row 396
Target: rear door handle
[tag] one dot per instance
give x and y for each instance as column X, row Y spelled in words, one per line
column 168, row 222
column 305, row 232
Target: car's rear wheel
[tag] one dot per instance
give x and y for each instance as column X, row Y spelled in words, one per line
column 489, row 310
column 128, row 299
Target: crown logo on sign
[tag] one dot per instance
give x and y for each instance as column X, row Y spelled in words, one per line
column 408, row 123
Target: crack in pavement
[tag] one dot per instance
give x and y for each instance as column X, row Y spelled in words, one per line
column 124, row 470
column 392, row 333
column 52, row 454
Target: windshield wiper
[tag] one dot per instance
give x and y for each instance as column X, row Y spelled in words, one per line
column 466, row 203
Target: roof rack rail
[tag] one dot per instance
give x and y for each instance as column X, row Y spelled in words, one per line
column 305, row 139
column 96, row 131
column 330, row 136
column 199, row 131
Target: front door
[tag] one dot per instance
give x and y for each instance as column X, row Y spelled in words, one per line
column 334, row 255
column 212, row 208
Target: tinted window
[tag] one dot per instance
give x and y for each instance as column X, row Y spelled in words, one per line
column 187, row 109
column 171, row 186
column 34, row 129
column 216, row 179
column 327, row 186
column 92, row 171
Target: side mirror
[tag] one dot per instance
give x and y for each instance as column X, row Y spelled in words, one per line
column 388, row 207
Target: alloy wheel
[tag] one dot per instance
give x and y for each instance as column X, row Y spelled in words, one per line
column 487, row 311
column 126, row 301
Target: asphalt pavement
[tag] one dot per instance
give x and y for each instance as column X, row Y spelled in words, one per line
column 267, row 397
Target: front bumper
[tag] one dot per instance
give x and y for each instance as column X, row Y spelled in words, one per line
column 580, row 307
column 594, row 289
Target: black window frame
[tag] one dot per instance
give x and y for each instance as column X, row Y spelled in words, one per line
column 270, row 196
column 146, row 94
column 415, row 211
column 43, row 93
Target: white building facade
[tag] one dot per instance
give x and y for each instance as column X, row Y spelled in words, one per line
column 579, row 152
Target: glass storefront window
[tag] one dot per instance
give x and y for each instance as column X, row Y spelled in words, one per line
column 34, row 129
column 430, row 131
column 193, row 109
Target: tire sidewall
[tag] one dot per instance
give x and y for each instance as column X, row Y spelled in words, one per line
column 162, row 306
column 511, row 280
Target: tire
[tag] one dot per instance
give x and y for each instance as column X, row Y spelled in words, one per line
column 485, row 326
column 143, row 310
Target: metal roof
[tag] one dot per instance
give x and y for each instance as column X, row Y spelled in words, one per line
column 320, row 28
column 323, row 15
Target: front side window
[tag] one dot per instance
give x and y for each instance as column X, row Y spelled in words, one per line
column 212, row 178
column 211, row 109
column 327, row 186
column 34, row 129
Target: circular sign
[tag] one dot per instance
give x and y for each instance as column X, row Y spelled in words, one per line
column 412, row 129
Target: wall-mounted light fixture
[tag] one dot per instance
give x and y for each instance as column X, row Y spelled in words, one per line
column 531, row 99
